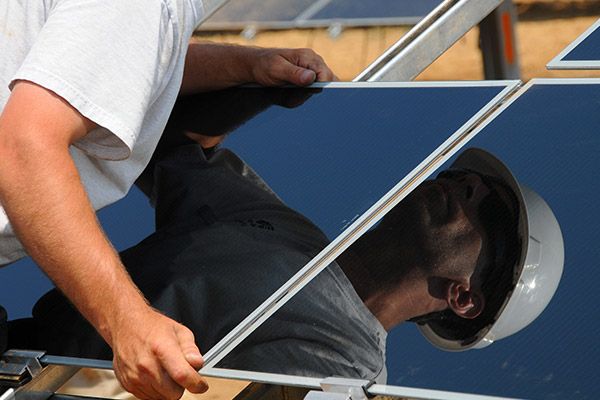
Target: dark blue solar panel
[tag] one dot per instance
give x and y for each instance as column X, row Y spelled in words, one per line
column 330, row 158
column 344, row 148
column 321, row 150
column 259, row 11
column 549, row 138
column 587, row 50
column 351, row 9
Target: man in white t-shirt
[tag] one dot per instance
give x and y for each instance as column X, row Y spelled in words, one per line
column 86, row 88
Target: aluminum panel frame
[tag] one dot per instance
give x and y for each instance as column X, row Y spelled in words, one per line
column 427, row 41
column 315, row 384
column 557, row 63
column 525, row 88
column 369, row 218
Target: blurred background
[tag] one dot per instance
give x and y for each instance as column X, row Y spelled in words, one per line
column 544, row 28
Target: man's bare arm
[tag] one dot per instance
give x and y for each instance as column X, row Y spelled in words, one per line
column 212, row 66
column 46, row 203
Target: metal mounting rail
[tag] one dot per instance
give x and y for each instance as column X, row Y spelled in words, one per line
column 428, row 40
column 32, row 375
column 76, row 362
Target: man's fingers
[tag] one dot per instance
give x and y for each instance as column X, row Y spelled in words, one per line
column 179, row 369
column 166, row 386
column 160, row 362
column 132, row 383
column 304, row 76
column 194, row 359
column 155, row 381
column 307, row 58
column 326, row 75
column 145, row 392
column 300, row 67
column 285, row 71
column 190, row 351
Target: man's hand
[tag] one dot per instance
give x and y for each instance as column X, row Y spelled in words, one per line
column 156, row 358
column 301, row 67
column 211, row 66
column 43, row 196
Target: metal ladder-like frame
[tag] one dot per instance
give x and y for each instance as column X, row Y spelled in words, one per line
column 32, row 375
column 436, row 33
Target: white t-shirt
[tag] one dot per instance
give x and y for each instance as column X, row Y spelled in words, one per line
column 118, row 62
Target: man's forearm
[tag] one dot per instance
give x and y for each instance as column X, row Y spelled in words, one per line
column 212, row 66
column 41, row 192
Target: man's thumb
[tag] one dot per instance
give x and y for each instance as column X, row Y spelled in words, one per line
column 300, row 76
column 195, row 359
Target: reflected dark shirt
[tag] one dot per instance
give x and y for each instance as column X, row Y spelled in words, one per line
column 224, row 243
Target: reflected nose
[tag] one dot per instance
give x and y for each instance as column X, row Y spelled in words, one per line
column 472, row 188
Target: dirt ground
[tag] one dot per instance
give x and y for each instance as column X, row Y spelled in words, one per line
column 544, row 29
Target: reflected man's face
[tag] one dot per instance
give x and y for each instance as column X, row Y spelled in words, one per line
column 441, row 221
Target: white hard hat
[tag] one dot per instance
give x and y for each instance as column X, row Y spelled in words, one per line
column 521, row 287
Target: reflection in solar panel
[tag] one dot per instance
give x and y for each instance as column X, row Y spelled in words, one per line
column 549, row 138
column 381, row 9
column 330, row 155
column 248, row 11
column 238, row 14
column 327, row 153
column 583, row 53
column 325, row 188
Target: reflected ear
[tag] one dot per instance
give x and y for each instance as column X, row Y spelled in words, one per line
column 464, row 301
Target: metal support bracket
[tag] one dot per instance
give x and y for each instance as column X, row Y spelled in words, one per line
column 19, row 366
column 428, row 40
column 27, row 375
column 341, row 389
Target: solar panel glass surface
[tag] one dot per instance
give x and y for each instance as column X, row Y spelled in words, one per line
column 352, row 9
column 327, row 153
column 582, row 54
column 259, row 11
column 332, row 168
column 272, row 13
column 587, row 50
column 338, row 151
column 335, row 153
column 548, row 137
